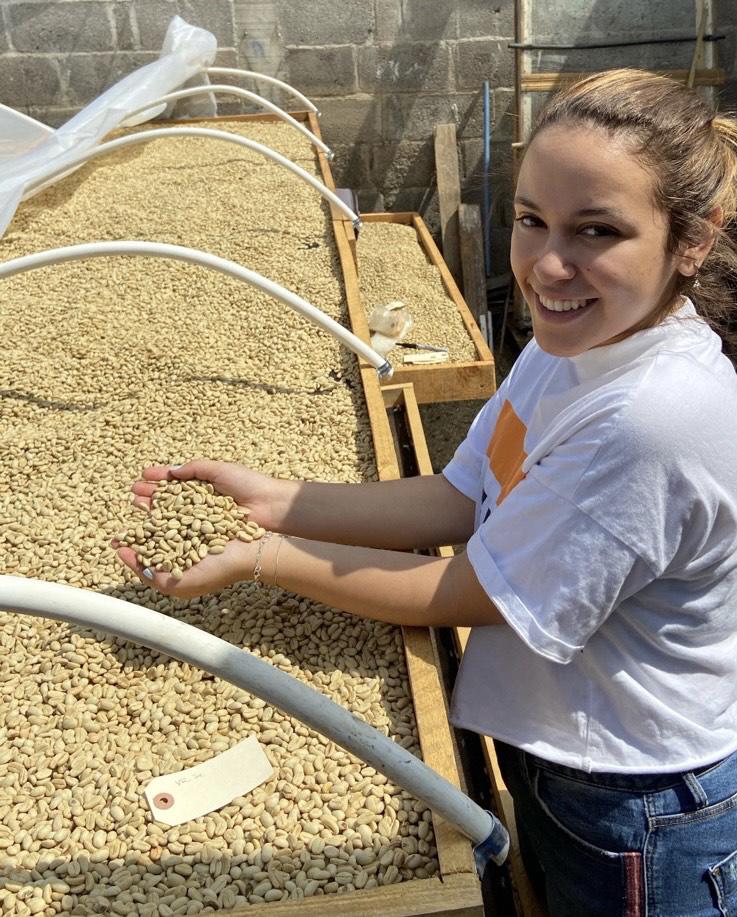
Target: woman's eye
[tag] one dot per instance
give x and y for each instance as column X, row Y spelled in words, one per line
column 528, row 219
column 596, row 230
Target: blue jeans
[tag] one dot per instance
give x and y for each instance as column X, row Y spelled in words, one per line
column 624, row 845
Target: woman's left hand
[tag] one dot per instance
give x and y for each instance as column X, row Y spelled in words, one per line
column 213, row 573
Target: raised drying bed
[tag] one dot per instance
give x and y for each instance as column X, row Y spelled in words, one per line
column 110, row 365
column 396, row 258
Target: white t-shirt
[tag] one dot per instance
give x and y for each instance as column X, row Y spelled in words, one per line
column 606, row 534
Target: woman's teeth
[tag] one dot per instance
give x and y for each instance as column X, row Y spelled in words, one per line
column 562, row 305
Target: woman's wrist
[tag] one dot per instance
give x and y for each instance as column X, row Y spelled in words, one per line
column 265, row 570
column 283, row 495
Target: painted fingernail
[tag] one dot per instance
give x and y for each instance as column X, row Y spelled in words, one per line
column 148, row 572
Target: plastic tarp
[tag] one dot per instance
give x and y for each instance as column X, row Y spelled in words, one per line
column 30, row 151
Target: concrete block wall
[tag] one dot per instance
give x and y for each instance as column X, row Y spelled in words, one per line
column 383, row 72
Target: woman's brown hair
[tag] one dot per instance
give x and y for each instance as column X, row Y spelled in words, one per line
column 692, row 155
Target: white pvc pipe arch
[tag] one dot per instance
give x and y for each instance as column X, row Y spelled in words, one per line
column 146, row 136
column 272, row 81
column 204, row 259
column 241, row 93
column 197, row 647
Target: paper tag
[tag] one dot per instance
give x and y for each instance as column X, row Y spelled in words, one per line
column 427, row 356
column 199, row 790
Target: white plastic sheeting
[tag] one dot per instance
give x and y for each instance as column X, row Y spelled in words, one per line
column 29, row 155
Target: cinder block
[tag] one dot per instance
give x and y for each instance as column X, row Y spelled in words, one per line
column 325, row 22
column 4, row 43
column 418, row 67
column 484, row 19
column 405, row 199
column 429, row 209
column 413, row 116
column 479, row 60
column 351, row 167
column 29, row 80
column 54, row 117
column 371, row 201
column 60, row 27
column 504, row 115
column 153, row 18
column 400, row 165
column 645, row 57
column 322, row 71
column 214, row 15
column 125, row 39
column 351, row 120
column 89, row 75
column 423, row 21
column 388, row 20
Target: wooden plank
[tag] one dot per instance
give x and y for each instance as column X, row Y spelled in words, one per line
column 449, row 193
column 436, row 737
column 472, row 259
column 455, row 853
column 441, row 381
column 456, row 896
column 549, row 82
column 399, row 216
column 436, row 740
column 433, row 253
column 526, row 899
column 528, row 903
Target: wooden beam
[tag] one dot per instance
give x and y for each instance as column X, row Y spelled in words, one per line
column 547, row 82
column 472, row 259
column 449, row 194
column 454, row 896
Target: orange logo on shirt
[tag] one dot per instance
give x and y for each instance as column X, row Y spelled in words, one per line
column 506, row 451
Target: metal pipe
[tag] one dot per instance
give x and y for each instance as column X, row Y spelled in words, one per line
column 204, row 259
column 486, row 200
column 197, row 647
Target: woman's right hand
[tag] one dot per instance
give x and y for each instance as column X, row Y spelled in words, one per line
column 259, row 492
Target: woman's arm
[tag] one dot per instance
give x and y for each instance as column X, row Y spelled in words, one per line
column 391, row 586
column 408, row 513
column 418, row 512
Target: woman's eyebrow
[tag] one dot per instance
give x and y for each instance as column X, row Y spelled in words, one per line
column 584, row 212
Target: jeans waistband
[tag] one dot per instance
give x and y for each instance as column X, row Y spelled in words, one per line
column 646, row 783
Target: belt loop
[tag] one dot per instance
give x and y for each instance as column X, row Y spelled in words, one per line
column 695, row 788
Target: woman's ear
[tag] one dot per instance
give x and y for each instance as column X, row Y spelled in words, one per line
column 690, row 259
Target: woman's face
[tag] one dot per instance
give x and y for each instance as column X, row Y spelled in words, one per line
column 589, row 244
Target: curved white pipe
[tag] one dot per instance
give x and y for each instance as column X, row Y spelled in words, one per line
column 204, row 259
column 145, row 136
column 197, row 647
column 243, row 94
column 253, row 74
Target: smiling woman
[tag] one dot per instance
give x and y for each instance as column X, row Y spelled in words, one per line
column 597, row 496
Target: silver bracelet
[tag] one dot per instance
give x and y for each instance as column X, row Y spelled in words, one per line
column 256, row 577
column 276, row 559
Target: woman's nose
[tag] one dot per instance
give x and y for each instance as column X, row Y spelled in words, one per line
column 554, row 264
